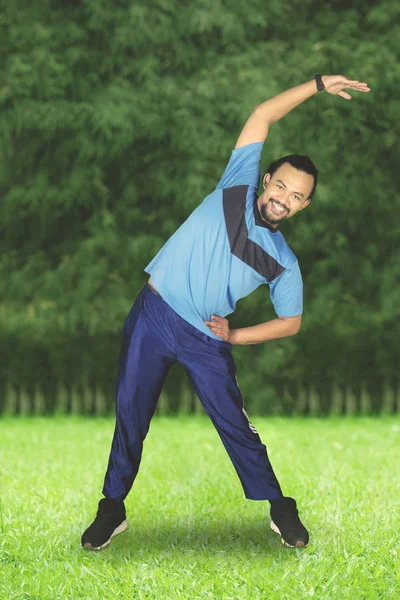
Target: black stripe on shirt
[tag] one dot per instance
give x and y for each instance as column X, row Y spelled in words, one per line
column 234, row 204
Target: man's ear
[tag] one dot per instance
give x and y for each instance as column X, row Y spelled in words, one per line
column 306, row 203
column 266, row 180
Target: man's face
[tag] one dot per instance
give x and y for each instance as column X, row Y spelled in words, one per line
column 285, row 193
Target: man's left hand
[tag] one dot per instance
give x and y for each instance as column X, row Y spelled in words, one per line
column 220, row 327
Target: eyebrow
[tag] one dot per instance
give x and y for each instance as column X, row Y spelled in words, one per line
column 285, row 186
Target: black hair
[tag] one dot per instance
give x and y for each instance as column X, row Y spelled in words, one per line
column 299, row 162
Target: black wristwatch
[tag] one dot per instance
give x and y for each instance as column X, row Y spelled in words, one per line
column 320, row 83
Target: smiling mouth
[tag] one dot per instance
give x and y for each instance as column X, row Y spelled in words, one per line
column 278, row 208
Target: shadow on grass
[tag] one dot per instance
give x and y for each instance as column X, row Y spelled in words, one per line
column 220, row 538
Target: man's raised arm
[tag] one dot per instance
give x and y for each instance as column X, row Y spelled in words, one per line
column 257, row 125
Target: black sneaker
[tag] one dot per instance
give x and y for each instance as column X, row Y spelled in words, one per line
column 285, row 521
column 110, row 520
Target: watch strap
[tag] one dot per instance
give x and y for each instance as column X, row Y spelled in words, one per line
column 319, row 82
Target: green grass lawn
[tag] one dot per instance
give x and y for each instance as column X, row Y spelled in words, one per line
column 192, row 534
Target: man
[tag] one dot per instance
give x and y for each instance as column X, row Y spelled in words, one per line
column 229, row 245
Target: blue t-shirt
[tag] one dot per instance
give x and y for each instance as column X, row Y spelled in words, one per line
column 224, row 251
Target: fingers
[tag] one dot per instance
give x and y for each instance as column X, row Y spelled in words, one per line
column 222, row 334
column 357, row 88
column 219, row 326
column 361, row 86
column 211, row 325
column 348, row 82
column 218, row 322
column 215, row 326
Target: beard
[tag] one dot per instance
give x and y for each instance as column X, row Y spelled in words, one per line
column 271, row 217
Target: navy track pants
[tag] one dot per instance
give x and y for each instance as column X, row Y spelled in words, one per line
column 154, row 337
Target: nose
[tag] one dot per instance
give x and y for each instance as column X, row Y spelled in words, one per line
column 285, row 200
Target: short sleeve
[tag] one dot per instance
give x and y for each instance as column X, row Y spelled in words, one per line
column 243, row 167
column 287, row 292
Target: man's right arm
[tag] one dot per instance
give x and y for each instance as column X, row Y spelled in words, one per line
column 257, row 125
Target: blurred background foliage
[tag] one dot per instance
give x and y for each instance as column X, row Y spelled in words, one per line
column 118, row 118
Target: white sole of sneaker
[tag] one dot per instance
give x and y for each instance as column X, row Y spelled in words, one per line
column 119, row 529
column 276, row 529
